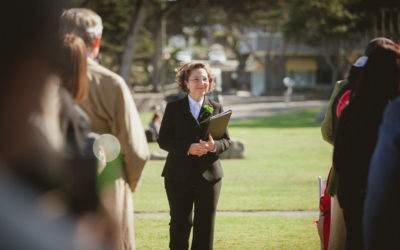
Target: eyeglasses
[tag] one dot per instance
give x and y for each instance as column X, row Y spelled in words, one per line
column 197, row 80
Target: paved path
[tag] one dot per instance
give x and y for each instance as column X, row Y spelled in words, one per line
column 258, row 107
column 233, row 213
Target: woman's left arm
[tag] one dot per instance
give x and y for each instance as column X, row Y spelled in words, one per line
column 225, row 142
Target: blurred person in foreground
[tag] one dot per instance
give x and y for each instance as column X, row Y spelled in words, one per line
column 192, row 172
column 335, row 229
column 111, row 110
column 331, row 227
column 74, row 122
column 380, row 221
column 39, row 208
column 357, row 134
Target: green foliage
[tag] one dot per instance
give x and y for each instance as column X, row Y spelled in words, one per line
column 316, row 21
column 200, row 14
column 117, row 16
column 145, row 47
column 139, row 72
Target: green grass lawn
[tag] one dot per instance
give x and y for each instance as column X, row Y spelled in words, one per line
column 237, row 232
column 285, row 155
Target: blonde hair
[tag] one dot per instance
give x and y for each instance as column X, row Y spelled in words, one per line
column 82, row 22
column 183, row 73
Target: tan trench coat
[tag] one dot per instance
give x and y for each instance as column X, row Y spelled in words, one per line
column 112, row 110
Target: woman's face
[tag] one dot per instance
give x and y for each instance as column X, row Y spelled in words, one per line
column 198, row 83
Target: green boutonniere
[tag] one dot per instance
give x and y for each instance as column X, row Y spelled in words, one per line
column 208, row 108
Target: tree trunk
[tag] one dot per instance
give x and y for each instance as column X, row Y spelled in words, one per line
column 334, row 69
column 272, row 62
column 240, row 69
column 331, row 50
column 131, row 41
column 267, row 65
column 157, row 57
column 334, row 76
column 347, row 57
column 338, row 58
column 159, row 43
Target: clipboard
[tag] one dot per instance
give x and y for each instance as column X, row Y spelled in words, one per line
column 218, row 124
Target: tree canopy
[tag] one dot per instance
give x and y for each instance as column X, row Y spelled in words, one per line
column 314, row 22
column 336, row 26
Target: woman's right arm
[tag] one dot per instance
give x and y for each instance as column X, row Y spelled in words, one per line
column 168, row 139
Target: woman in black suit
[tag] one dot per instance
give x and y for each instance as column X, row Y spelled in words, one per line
column 192, row 172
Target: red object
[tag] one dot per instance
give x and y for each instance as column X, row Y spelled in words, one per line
column 96, row 43
column 325, row 209
column 343, row 101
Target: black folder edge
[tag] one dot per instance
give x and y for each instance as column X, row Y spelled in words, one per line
column 218, row 125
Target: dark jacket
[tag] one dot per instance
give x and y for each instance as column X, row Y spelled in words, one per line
column 179, row 129
column 355, row 141
column 381, row 222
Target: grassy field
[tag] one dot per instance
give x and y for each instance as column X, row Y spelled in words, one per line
column 285, row 155
column 237, row 233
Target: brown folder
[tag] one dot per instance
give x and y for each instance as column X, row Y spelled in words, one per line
column 218, row 125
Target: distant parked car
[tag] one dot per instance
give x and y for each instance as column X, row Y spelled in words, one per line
column 217, row 56
column 184, row 55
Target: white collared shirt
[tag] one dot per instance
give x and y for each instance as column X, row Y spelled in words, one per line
column 195, row 107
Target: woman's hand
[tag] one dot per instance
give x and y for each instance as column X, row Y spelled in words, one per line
column 197, row 149
column 210, row 144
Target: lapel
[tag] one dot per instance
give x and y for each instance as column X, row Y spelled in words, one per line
column 186, row 111
column 205, row 114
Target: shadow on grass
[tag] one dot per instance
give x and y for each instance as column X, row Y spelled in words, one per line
column 295, row 119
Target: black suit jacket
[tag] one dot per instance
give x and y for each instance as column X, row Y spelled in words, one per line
column 179, row 129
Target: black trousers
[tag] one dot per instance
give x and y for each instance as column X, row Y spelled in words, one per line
column 182, row 196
